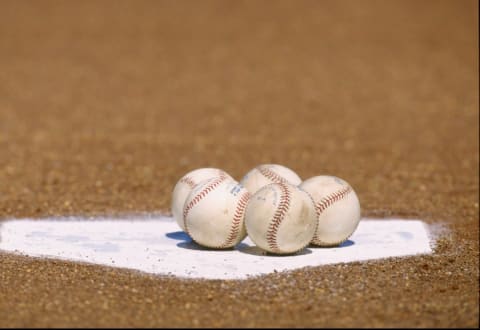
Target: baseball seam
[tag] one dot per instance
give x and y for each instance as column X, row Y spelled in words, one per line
column 188, row 181
column 199, row 197
column 237, row 219
column 278, row 217
column 271, row 175
column 326, row 202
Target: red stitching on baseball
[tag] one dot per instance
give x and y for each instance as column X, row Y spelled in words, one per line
column 199, row 197
column 278, row 217
column 188, row 180
column 191, row 183
column 325, row 202
column 271, row 175
column 237, row 219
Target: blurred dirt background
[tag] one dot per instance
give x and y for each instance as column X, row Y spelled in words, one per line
column 104, row 105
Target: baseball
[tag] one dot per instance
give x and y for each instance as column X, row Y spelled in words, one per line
column 214, row 213
column 280, row 218
column 265, row 174
column 337, row 207
column 185, row 185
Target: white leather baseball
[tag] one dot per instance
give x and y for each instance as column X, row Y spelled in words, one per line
column 214, row 213
column 280, row 218
column 265, row 174
column 185, row 185
column 337, row 206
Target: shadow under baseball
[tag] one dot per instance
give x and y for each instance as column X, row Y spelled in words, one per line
column 179, row 236
column 345, row 244
column 256, row 251
column 192, row 245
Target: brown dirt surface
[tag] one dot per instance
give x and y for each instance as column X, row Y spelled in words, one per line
column 104, row 105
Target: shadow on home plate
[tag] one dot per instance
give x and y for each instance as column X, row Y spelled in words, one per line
column 154, row 244
column 189, row 244
column 256, row 251
column 179, row 235
column 345, row 244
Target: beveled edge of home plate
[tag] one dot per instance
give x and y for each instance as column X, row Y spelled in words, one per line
column 153, row 243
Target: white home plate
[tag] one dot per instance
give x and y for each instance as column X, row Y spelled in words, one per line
column 155, row 245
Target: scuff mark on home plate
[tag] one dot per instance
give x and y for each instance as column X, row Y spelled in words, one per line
column 154, row 244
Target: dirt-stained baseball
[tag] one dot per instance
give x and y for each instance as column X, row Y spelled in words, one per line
column 214, row 213
column 185, row 185
column 280, row 218
column 337, row 207
column 265, row 174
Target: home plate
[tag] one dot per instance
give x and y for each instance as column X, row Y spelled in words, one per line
column 154, row 244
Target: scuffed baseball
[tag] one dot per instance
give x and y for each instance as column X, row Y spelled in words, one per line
column 337, row 207
column 265, row 174
column 185, row 185
column 214, row 213
column 280, row 218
